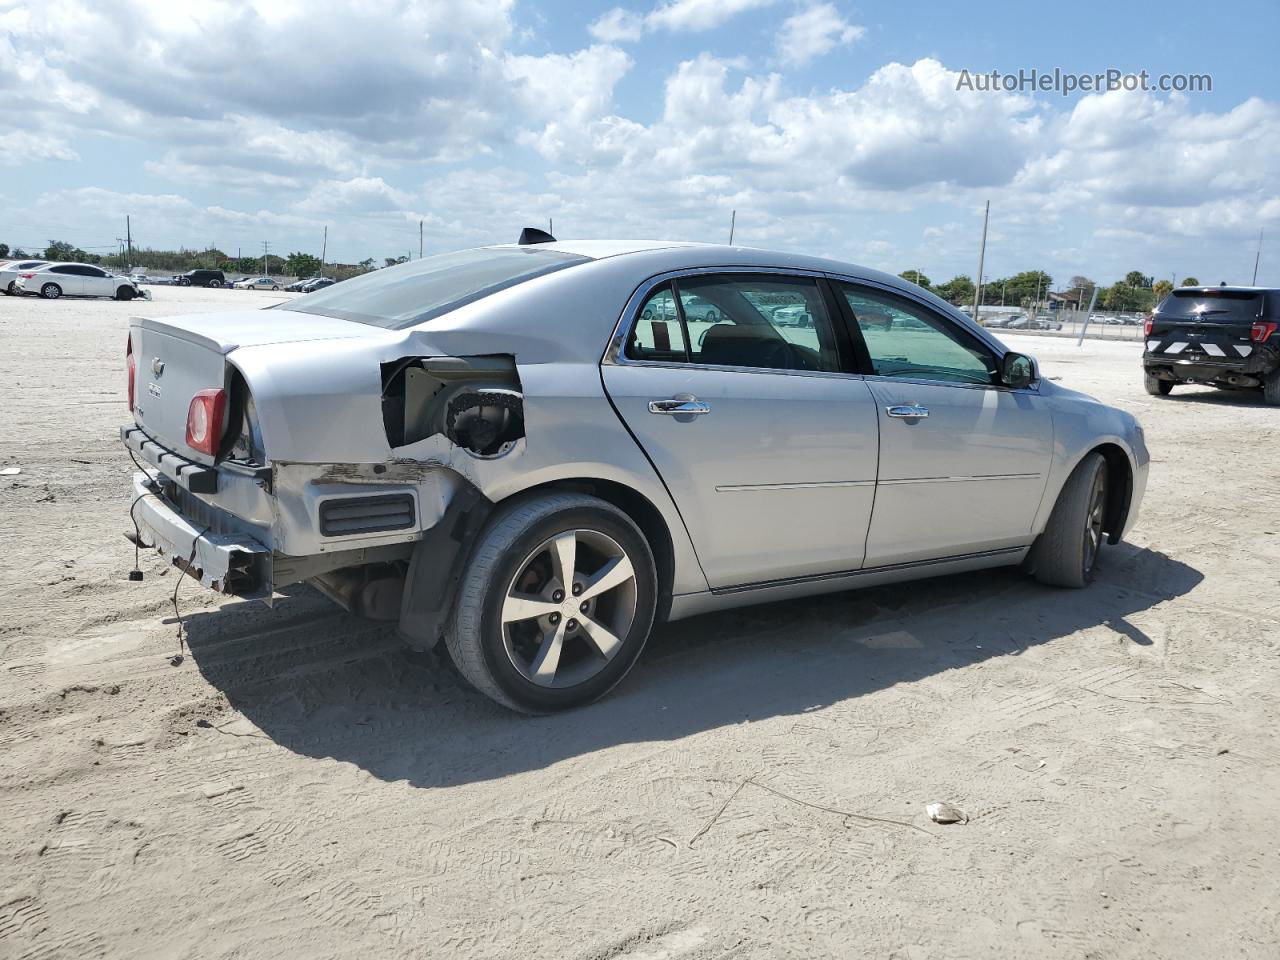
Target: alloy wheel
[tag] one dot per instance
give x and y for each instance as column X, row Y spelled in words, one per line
column 569, row 608
column 1094, row 519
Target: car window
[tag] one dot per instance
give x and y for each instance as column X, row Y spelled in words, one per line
column 761, row 321
column 657, row 333
column 92, row 272
column 62, row 269
column 910, row 341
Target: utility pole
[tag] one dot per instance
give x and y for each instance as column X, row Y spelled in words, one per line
column 733, row 222
column 128, row 236
column 1256, row 258
column 266, row 248
column 419, row 239
column 551, row 226
column 982, row 255
column 324, row 249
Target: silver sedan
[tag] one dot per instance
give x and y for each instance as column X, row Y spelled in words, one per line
column 536, row 452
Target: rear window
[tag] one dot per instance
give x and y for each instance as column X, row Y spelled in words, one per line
column 1212, row 306
column 421, row 290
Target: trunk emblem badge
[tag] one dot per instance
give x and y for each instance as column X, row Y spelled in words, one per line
column 157, row 367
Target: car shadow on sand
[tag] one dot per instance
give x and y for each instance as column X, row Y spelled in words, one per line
column 325, row 684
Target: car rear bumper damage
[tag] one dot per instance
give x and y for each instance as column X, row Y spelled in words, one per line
column 229, row 563
column 1244, row 372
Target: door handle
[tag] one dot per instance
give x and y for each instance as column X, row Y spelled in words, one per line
column 677, row 406
column 907, row 411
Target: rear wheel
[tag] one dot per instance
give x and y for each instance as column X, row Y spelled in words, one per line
column 1066, row 554
column 1271, row 387
column 556, row 603
column 215, row 283
column 1155, row 386
column 12, row 289
column 51, row 291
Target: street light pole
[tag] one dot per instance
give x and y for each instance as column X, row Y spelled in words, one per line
column 982, row 253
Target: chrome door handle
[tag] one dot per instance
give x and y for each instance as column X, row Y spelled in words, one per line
column 678, row 406
column 907, row 411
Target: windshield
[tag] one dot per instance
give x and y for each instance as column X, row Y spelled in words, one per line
column 420, row 290
column 1211, row 306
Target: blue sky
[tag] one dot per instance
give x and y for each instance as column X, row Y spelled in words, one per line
column 831, row 128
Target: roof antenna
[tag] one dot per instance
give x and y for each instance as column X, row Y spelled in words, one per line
column 533, row 235
column 733, row 222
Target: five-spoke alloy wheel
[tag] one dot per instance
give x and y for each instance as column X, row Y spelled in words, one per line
column 555, row 604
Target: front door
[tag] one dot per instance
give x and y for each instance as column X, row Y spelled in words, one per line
column 963, row 460
column 767, row 444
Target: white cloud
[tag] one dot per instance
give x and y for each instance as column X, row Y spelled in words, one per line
column 689, row 16
column 617, row 26
column 18, row 147
column 813, row 32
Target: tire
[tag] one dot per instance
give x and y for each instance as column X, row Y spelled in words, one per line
column 51, row 291
column 12, row 289
column 1157, row 387
column 501, row 659
column 1271, row 387
column 184, row 282
column 124, row 293
column 1066, row 554
column 215, row 283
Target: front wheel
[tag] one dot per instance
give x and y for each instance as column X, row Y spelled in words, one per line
column 1155, row 386
column 556, row 603
column 1066, row 554
column 124, row 293
column 275, row 287
column 51, row 291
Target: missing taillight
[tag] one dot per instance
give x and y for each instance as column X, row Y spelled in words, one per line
column 206, row 418
column 474, row 402
column 1146, row 327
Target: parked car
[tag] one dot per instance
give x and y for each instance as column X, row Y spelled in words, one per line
column 297, row 285
column 201, row 278
column 317, row 283
column 1222, row 336
column 54, row 280
column 491, row 448
column 9, row 274
column 257, row 283
column 792, row 315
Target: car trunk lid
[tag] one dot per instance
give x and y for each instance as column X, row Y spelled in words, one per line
column 1205, row 324
column 177, row 357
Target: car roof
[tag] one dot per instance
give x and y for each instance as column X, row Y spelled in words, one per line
column 1227, row 289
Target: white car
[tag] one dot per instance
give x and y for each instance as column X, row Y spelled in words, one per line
column 54, row 280
column 256, row 283
column 9, row 274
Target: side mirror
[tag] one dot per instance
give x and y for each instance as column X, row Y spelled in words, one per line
column 1018, row 370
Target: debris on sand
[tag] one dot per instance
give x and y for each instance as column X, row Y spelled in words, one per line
column 10, row 471
column 946, row 813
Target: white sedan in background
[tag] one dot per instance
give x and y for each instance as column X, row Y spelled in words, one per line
column 54, row 280
column 9, row 273
column 256, row 283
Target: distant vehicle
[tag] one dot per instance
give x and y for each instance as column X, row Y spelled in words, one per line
column 9, row 274
column 792, row 315
column 317, row 283
column 55, row 280
column 297, row 285
column 695, row 309
column 256, row 283
column 1221, row 336
column 201, row 278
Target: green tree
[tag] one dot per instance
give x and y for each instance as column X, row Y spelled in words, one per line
column 1135, row 278
column 302, row 265
column 366, row 263
column 4, row 250
column 1023, row 288
column 61, row 250
column 916, row 277
column 392, row 261
column 958, row 290
column 1161, row 289
column 1191, row 282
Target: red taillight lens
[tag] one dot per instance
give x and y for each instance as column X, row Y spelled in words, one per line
column 131, row 368
column 205, row 419
column 1146, row 327
column 1260, row 331
column 26, row 276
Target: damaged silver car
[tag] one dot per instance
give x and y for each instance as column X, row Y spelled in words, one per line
column 535, row 452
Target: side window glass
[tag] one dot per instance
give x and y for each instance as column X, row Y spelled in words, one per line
column 764, row 321
column 62, row 270
column 657, row 333
column 908, row 341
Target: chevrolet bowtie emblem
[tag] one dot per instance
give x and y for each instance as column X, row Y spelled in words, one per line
column 157, row 367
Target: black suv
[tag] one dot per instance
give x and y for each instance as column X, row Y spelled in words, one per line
column 1222, row 336
column 201, row 278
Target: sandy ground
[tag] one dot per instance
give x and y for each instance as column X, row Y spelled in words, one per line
column 299, row 787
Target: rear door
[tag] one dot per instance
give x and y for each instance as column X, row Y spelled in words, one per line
column 963, row 461
column 766, row 441
column 1204, row 326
